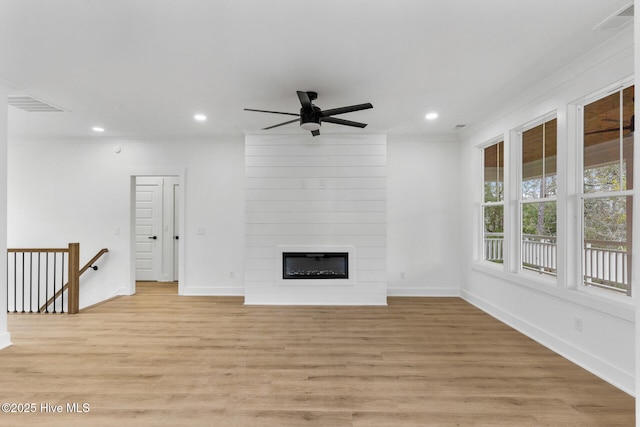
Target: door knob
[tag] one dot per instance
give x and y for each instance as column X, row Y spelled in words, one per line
column 152, row 237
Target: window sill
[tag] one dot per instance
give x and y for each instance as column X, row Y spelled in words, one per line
column 614, row 305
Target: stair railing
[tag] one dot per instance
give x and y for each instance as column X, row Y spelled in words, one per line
column 36, row 275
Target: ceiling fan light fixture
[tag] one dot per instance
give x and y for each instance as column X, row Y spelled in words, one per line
column 310, row 126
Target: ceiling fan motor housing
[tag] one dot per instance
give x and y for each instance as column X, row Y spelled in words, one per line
column 310, row 119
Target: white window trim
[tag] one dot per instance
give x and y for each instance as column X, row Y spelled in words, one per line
column 582, row 196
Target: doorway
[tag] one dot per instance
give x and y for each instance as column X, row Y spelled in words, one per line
column 156, row 228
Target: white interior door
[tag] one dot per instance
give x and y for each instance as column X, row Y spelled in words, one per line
column 157, row 219
column 176, row 229
column 148, row 225
column 169, row 230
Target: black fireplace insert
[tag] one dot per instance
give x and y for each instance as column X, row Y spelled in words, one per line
column 315, row 265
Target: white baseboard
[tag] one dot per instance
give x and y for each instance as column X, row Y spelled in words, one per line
column 352, row 300
column 122, row 292
column 391, row 292
column 422, row 292
column 5, row 340
column 621, row 379
column 213, row 292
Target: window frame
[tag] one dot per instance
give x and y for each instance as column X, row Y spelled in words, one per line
column 483, row 203
column 583, row 196
column 545, row 277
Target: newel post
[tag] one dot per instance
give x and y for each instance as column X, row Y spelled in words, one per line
column 74, row 278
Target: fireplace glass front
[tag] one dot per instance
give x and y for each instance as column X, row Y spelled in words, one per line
column 315, row 265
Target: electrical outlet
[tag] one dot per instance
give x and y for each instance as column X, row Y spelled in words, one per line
column 578, row 324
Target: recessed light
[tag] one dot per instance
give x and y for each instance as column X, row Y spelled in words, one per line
column 200, row 117
column 97, row 129
column 431, row 116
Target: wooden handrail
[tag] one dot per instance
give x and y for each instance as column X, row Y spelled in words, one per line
column 11, row 250
column 94, row 259
column 72, row 298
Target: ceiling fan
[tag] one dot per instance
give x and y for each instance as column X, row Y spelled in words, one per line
column 311, row 116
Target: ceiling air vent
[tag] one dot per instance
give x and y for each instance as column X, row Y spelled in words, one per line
column 33, row 105
column 458, row 127
column 618, row 20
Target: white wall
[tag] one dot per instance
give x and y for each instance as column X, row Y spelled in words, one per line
column 5, row 336
column 80, row 191
column 423, row 216
column 546, row 312
column 62, row 191
column 325, row 193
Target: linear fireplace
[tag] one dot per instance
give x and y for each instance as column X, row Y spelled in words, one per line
column 315, row 265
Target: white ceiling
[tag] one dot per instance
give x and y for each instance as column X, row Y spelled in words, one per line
column 144, row 67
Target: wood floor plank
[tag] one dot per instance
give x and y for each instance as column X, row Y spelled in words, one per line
column 159, row 359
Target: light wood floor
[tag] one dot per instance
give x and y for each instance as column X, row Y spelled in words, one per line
column 157, row 359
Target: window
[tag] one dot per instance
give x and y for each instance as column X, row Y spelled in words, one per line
column 607, row 191
column 493, row 203
column 596, row 202
column 538, row 198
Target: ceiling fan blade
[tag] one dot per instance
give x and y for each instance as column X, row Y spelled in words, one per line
column 281, row 124
column 315, row 132
column 334, row 111
column 343, row 122
column 600, row 131
column 273, row 112
column 304, row 100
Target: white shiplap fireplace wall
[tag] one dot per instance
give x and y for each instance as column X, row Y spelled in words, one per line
column 325, row 193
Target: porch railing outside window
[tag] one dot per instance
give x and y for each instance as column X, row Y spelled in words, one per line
column 494, row 247
column 539, row 253
column 606, row 264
